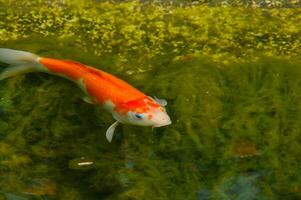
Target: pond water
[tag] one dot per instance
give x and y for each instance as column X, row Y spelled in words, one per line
column 235, row 131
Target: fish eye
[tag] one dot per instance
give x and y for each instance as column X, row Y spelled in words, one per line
column 139, row 116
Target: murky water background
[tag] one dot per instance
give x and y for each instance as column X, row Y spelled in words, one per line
column 231, row 76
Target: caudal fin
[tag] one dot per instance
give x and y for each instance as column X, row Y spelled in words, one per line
column 20, row 62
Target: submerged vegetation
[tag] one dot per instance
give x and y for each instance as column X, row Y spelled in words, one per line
column 231, row 76
column 134, row 30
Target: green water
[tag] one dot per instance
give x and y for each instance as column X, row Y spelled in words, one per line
column 233, row 95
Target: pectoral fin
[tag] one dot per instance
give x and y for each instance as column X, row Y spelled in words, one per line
column 88, row 100
column 161, row 102
column 111, row 130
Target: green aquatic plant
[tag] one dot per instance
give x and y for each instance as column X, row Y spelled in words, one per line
column 148, row 30
column 215, row 109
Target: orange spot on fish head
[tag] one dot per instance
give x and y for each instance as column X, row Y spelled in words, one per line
column 138, row 106
column 141, row 105
column 152, row 103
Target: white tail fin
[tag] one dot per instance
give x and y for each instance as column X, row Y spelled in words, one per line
column 20, row 62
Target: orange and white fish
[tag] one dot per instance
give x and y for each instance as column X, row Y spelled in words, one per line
column 126, row 104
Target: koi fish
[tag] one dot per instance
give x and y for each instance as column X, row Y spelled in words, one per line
column 127, row 104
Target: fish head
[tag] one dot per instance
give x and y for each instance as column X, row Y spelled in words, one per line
column 146, row 111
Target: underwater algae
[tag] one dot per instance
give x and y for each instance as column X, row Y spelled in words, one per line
column 136, row 31
column 255, row 105
column 236, row 116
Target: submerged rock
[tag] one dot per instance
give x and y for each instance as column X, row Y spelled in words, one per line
column 244, row 148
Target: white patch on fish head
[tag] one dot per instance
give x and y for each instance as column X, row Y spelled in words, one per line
column 160, row 117
column 157, row 112
column 133, row 118
column 151, row 114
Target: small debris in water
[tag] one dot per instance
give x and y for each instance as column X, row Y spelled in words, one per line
column 81, row 163
column 85, row 163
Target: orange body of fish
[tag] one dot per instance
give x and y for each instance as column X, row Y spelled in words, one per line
column 127, row 104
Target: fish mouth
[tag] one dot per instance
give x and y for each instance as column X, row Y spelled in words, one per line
column 160, row 125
